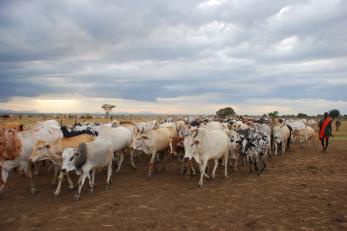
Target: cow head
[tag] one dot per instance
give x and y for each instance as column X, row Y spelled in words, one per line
column 190, row 146
column 43, row 151
column 176, row 142
column 69, row 157
column 140, row 143
column 277, row 134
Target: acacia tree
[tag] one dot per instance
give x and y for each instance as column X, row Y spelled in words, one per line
column 302, row 115
column 107, row 108
column 225, row 112
column 334, row 113
column 274, row 114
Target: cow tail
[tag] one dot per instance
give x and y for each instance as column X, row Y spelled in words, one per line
column 82, row 158
column 290, row 136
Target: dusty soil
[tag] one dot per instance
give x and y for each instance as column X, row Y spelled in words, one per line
column 302, row 190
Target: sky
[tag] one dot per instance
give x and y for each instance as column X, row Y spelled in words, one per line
column 182, row 56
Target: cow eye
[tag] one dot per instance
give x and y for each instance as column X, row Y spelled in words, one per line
column 71, row 158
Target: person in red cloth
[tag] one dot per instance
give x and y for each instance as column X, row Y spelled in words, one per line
column 325, row 131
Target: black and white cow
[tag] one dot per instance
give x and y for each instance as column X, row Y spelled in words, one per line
column 71, row 133
column 255, row 146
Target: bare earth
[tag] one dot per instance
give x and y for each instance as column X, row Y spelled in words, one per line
column 302, row 190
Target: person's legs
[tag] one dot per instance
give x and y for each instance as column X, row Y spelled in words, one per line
column 322, row 142
column 326, row 143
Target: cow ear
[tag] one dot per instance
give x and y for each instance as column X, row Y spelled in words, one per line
column 145, row 137
column 196, row 142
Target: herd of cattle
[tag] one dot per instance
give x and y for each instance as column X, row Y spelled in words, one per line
column 84, row 148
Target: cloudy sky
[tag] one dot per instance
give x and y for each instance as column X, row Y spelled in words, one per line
column 182, row 56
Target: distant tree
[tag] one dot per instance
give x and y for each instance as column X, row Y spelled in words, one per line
column 107, row 108
column 225, row 112
column 302, row 115
column 334, row 113
column 274, row 114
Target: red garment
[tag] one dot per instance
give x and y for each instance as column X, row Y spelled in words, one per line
column 324, row 126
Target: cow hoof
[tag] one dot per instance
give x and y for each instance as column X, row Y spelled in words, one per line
column 56, row 194
column 71, row 187
column 76, row 197
column 91, row 191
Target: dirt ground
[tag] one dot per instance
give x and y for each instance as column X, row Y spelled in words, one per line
column 301, row 190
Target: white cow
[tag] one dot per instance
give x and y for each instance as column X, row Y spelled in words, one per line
column 144, row 127
column 153, row 142
column 281, row 136
column 296, row 124
column 89, row 156
column 234, row 148
column 47, row 123
column 46, row 133
column 167, row 124
column 312, row 123
column 305, row 135
column 239, row 125
column 264, row 128
column 207, row 145
column 120, row 139
column 214, row 125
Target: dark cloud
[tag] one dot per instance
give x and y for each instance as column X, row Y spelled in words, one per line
column 145, row 50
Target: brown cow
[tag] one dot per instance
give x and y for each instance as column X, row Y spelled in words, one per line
column 13, row 125
column 338, row 125
column 10, row 145
column 10, row 148
column 176, row 145
column 53, row 152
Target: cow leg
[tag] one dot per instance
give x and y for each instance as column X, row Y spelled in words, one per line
column 80, row 184
column 182, row 166
column 93, row 175
column 250, row 165
column 109, row 174
column 255, row 162
column 216, row 162
column 132, row 159
column 120, row 160
column 276, row 148
column 91, row 186
column 263, row 165
column 189, row 166
column 284, row 144
column 269, row 150
column 226, row 166
column 56, row 173
column 202, row 170
column 149, row 174
column 26, row 166
column 60, row 180
column 4, row 176
column 36, row 168
column 193, row 170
